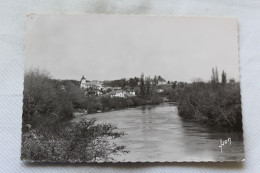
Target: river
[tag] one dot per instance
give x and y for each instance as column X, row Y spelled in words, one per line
column 157, row 133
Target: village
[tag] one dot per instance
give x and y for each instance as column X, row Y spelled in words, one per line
column 98, row 88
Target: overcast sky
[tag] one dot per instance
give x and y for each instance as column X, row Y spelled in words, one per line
column 105, row 47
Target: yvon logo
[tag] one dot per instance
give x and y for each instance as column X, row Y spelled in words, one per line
column 225, row 142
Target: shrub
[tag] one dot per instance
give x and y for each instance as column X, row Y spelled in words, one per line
column 43, row 98
column 81, row 142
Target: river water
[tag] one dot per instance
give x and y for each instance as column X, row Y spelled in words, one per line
column 157, row 133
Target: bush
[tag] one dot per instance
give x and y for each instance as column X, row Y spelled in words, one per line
column 81, row 142
column 75, row 94
column 156, row 99
column 43, row 99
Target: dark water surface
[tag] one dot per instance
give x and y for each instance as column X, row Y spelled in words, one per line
column 157, row 133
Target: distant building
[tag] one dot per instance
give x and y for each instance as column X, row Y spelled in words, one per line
column 83, row 82
column 96, row 88
column 162, row 82
column 91, row 87
column 90, row 84
column 121, row 94
column 159, row 82
column 117, row 93
column 159, row 90
column 132, row 92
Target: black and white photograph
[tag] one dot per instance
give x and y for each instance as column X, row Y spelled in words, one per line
column 131, row 88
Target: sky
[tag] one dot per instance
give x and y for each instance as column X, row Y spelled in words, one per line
column 108, row 47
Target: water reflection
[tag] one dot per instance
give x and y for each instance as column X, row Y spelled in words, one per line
column 157, row 133
column 204, row 141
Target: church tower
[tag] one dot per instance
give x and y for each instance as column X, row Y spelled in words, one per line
column 83, row 82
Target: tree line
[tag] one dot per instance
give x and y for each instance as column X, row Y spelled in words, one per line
column 133, row 81
column 215, row 103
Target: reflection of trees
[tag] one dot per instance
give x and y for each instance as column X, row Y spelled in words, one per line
column 147, row 107
column 80, row 142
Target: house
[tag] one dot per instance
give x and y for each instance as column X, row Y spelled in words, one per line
column 130, row 94
column 121, row 94
column 159, row 90
column 118, row 93
column 91, row 87
column 162, row 82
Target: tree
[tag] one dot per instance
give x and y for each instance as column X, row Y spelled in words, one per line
column 196, row 80
column 214, row 76
column 155, row 80
column 224, row 77
column 174, row 84
column 132, row 82
column 142, row 86
column 232, row 80
column 148, row 87
column 75, row 94
column 109, row 90
column 44, row 99
column 181, row 84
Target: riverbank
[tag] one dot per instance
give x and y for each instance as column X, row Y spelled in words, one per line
column 135, row 102
column 215, row 105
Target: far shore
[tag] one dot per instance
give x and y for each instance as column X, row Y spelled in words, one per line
column 84, row 112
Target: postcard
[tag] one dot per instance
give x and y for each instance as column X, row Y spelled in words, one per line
column 131, row 88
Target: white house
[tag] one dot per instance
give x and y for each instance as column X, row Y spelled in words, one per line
column 121, row 94
column 118, row 93
column 159, row 90
column 162, row 82
column 132, row 92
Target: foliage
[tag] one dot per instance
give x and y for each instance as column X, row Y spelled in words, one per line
column 120, row 103
column 142, row 86
column 75, row 94
column 47, row 134
column 116, row 83
column 214, row 104
column 214, row 77
column 224, row 77
column 43, row 99
column 81, row 142
column 91, row 104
